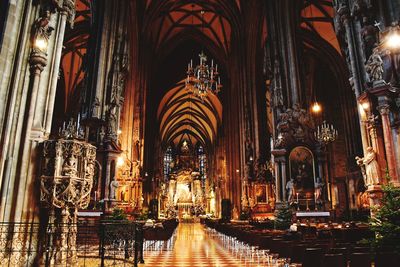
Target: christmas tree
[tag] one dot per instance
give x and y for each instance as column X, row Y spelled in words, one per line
column 283, row 217
column 386, row 222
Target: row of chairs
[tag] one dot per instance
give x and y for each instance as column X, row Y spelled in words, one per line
column 310, row 252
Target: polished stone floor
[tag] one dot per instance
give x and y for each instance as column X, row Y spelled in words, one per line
column 192, row 247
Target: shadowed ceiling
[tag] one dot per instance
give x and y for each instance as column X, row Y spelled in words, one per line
column 167, row 19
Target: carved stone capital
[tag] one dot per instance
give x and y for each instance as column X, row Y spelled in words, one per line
column 343, row 11
column 37, row 61
column 384, row 109
column 67, row 7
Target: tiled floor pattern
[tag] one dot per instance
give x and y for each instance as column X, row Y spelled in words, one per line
column 193, row 248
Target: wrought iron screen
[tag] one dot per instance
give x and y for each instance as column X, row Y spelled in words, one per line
column 100, row 244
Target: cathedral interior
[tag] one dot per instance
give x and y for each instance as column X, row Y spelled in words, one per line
column 209, row 117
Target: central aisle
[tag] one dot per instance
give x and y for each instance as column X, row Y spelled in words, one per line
column 192, row 248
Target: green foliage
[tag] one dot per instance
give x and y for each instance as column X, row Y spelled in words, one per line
column 141, row 216
column 386, row 223
column 244, row 215
column 283, row 217
column 118, row 214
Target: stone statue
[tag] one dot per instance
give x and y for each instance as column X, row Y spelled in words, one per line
column 96, row 108
column 371, row 168
column 112, row 123
column 362, row 167
column 113, row 188
column 245, row 203
column 41, row 27
column 374, row 67
column 69, row 166
column 290, row 189
column 318, row 188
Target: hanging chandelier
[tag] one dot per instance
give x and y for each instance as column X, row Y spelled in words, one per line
column 326, row 133
column 203, row 79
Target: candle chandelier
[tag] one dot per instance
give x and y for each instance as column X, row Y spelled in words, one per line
column 326, row 133
column 203, row 79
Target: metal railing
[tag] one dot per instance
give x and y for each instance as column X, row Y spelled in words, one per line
column 81, row 244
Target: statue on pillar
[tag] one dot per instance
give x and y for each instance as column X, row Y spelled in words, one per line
column 374, row 67
column 369, row 167
column 113, row 188
column 318, row 188
column 290, row 189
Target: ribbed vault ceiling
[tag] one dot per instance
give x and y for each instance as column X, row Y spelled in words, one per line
column 167, row 19
column 184, row 116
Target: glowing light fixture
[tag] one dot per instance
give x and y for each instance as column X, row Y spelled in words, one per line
column 120, row 161
column 365, row 106
column 316, row 107
column 393, row 40
column 326, row 133
column 41, row 44
column 203, row 79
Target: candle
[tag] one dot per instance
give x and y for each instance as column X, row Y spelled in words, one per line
column 95, row 196
column 297, row 197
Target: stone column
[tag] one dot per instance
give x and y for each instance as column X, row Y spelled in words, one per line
column 384, row 110
column 284, row 179
column 66, row 10
column 277, row 182
column 375, row 195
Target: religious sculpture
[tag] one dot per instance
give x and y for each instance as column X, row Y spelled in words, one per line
column 42, row 29
column 369, row 167
column 318, row 189
column 294, row 125
column 113, row 188
column 96, row 108
column 69, row 166
column 290, row 189
column 374, row 67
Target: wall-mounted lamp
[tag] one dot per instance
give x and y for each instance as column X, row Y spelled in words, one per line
column 392, row 39
column 120, row 161
column 316, row 107
column 41, row 44
column 365, row 106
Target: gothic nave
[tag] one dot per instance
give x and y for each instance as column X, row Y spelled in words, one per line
column 200, row 133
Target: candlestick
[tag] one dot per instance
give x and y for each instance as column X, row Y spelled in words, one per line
column 315, row 200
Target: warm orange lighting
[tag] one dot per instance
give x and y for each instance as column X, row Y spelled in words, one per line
column 120, row 161
column 316, row 107
column 41, row 44
column 119, row 131
column 393, row 41
column 365, row 105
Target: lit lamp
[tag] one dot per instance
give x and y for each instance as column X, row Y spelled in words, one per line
column 365, row 106
column 316, row 107
column 41, row 44
column 120, row 161
column 391, row 41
